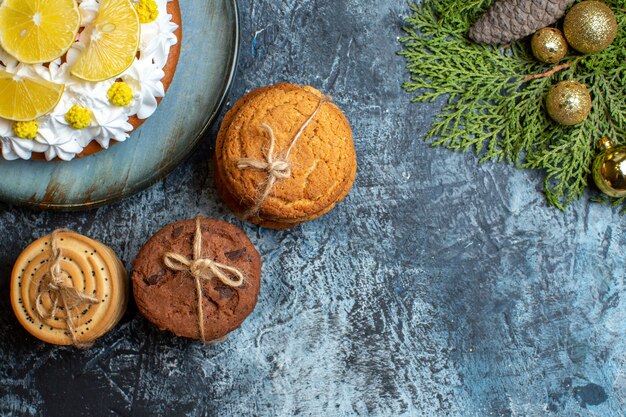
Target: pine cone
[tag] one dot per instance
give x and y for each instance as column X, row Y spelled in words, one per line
column 510, row 20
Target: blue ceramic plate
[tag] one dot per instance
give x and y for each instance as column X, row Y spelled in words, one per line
column 202, row 82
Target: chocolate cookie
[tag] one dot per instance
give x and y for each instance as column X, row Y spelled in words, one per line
column 219, row 261
column 312, row 152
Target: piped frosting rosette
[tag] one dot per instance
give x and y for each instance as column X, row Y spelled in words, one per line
column 68, row 289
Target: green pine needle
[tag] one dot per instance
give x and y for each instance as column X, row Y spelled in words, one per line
column 491, row 108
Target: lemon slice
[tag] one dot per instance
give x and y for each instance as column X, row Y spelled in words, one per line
column 37, row 31
column 113, row 39
column 25, row 99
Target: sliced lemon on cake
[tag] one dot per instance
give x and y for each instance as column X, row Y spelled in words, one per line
column 37, row 31
column 25, row 99
column 113, row 40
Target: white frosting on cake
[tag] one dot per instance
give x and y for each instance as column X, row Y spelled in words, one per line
column 56, row 138
column 144, row 77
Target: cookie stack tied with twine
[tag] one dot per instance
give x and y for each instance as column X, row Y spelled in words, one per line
column 198, row 278
column 284, row 155
column 68, row 289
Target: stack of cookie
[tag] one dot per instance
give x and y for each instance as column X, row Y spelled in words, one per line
column 284, row 155
column 198, row 278
column 68, row 289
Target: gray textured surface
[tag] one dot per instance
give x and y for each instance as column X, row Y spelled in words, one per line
column 438, row 288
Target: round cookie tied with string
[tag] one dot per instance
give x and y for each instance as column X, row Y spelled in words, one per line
column 284, row 155
column 197, row 278
column 68, row 289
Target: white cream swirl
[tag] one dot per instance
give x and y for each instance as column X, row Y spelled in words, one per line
column 144, row 77
column 158, row 37
column 56, row 138
column 12, row 149
column 109, row 125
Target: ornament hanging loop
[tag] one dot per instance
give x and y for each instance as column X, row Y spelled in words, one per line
column 605, row 143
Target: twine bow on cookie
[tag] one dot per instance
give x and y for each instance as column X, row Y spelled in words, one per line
column 202, row 269
column 60, row 292
column 277, row 168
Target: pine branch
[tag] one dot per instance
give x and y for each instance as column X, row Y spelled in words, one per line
column 495, row 96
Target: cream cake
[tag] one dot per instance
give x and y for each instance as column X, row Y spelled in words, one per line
column 113, row 61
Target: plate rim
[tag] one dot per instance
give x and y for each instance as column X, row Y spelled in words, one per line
column 167, row 170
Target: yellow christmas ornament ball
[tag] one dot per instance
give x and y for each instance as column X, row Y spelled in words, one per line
column 568, row 103
column 549, row 45
column 590, row 26
column 609, row 169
